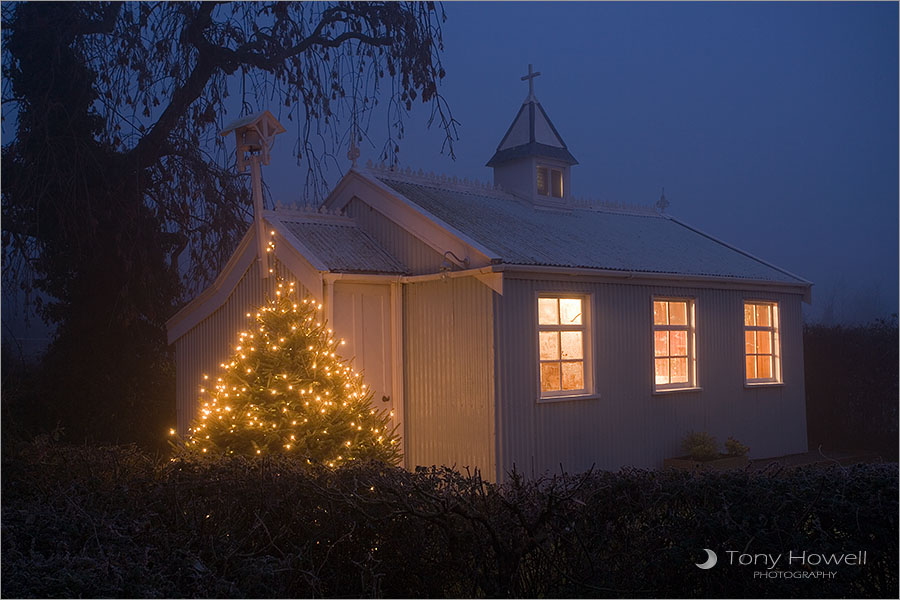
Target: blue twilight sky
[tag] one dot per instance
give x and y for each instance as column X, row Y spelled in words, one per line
column 773, row 126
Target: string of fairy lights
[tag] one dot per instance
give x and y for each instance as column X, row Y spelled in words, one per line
column 286, row 389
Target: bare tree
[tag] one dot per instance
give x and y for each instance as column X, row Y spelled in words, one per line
column 118, row 197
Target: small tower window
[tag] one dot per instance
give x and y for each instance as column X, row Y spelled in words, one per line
column 549, row 182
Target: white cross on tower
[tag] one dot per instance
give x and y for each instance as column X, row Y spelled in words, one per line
column 530, row 77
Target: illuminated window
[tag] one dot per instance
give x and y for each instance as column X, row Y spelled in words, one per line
column 563, row 345
column 674, row 362
column 549, row 182
column 762, row 359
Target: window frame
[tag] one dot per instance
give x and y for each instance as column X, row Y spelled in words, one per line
column 691, row 328
column 775, row 329
column 587, row 340
column 550, row 170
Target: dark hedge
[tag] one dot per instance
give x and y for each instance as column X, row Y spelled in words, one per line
column 113, row 522
column 852, row 386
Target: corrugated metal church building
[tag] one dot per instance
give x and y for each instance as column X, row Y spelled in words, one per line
column 508, row 326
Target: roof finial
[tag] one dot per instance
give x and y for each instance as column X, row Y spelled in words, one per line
column 353, row 152
column 530, row 77
column 662, row 204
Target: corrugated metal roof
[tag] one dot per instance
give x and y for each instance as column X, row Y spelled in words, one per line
column 524, row 235
column 345, row 248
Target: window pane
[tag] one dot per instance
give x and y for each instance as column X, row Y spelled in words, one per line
column 751, row 367
column 573, row 375
column 763, row 315
column 679, row 370
column 750, row 342
column 572, row 346
column 678, row 313
column 764, row 367
column 549, row 377
column 661, row 343
column 764, row 342
column 662, row 370
column 548, row 311
column 570, row 311
column 556, row 183
column 749, row 314
column 660, row 313
column 549, row 345
column 678, row 343
column 542, row 181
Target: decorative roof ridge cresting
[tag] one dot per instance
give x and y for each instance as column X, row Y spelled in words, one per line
column 309, row 212
column 448, row 182
column 456, row 184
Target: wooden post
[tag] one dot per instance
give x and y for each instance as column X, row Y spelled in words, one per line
column 256, row 186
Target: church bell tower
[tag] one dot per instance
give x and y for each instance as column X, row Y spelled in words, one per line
column 532, row 160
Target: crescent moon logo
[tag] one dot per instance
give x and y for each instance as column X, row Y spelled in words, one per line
column 711, row 560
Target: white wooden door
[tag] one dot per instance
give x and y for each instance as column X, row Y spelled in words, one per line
column 362, row 317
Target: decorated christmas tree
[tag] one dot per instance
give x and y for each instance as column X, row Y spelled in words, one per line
column 286, row 390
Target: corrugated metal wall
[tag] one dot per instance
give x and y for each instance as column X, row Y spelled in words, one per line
column 412, row 252
column 202, row 349
column 628, row 425
column 449, row 388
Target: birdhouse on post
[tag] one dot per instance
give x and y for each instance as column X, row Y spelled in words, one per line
column 253, row 136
